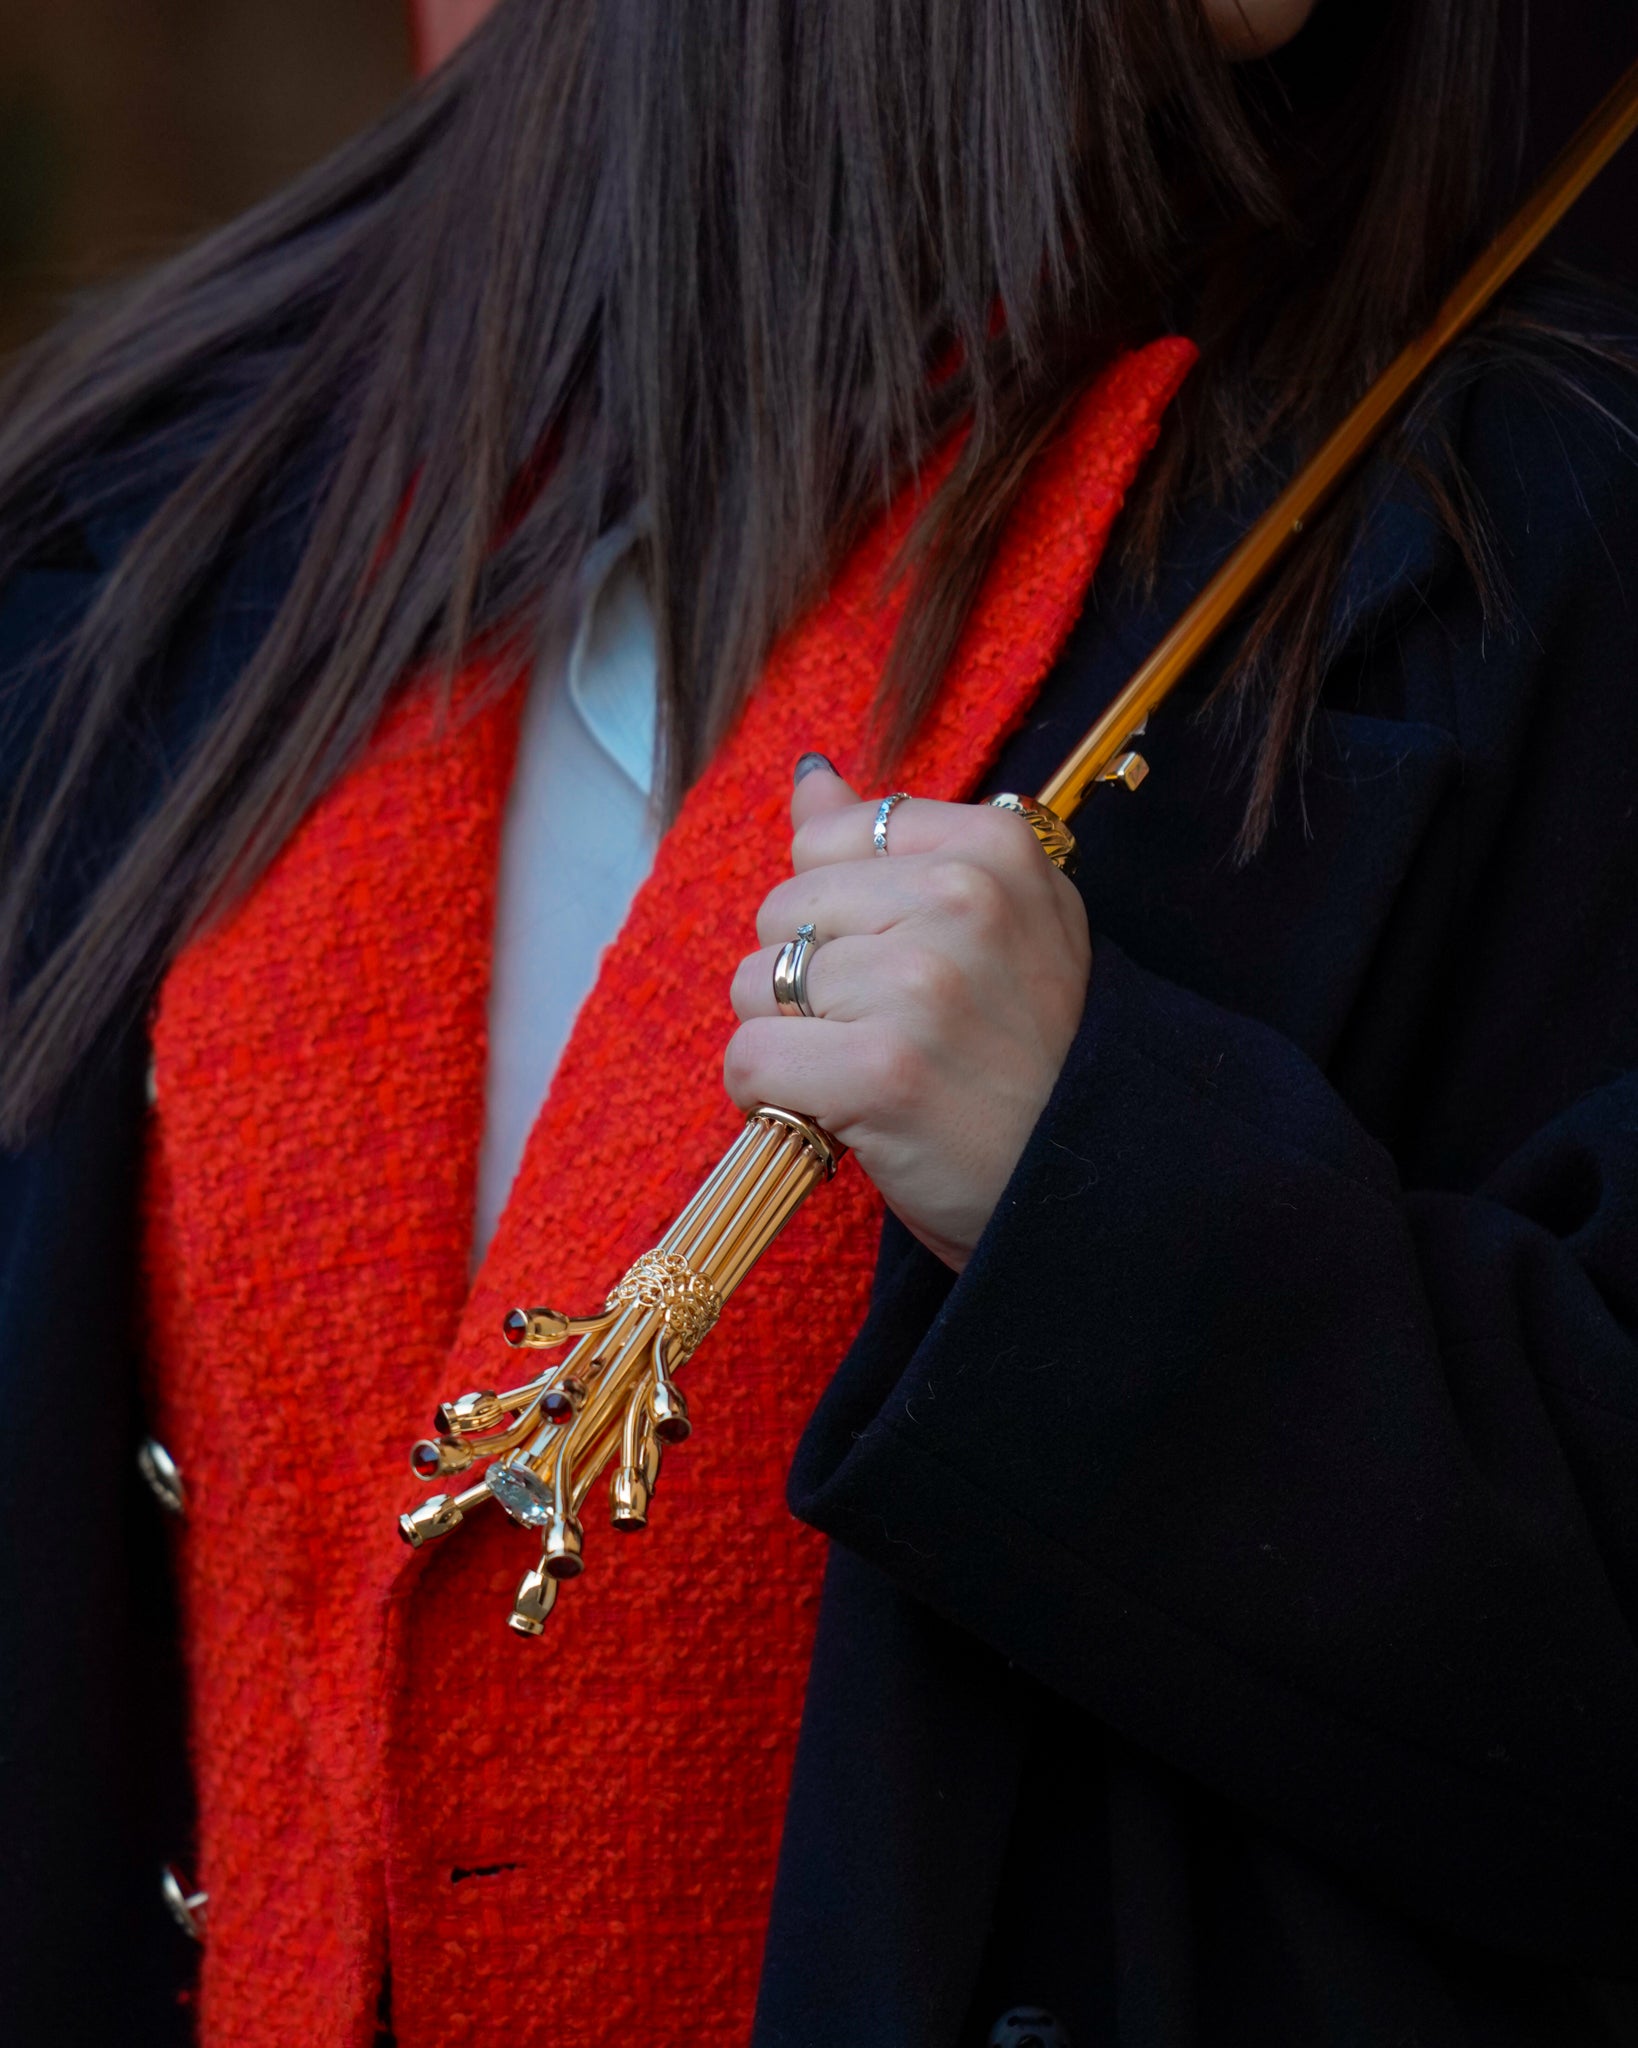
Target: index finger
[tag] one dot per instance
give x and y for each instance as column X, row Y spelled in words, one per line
column 917, row 824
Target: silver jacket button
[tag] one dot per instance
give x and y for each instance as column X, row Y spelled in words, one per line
column 162, row 1473
column 187, row 1906
column 1028, row 2026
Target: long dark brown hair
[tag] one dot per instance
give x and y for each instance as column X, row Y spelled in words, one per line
column 728, row 267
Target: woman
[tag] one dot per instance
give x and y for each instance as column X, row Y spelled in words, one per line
column 1227, row 1634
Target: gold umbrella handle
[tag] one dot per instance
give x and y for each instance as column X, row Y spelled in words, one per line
column 549, row 1440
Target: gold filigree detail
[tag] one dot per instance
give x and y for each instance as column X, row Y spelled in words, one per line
column 688, row 1301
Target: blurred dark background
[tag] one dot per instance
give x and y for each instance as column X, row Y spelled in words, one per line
column 128, row 125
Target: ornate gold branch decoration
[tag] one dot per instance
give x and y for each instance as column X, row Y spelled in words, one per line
column 551, row 1439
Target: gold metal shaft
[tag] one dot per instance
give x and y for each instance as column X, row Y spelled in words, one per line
column 551, row 1439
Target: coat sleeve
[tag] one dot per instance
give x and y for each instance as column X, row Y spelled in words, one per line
column 1323, row 1488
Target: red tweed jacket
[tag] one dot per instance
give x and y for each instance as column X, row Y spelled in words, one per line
column 572, row 1840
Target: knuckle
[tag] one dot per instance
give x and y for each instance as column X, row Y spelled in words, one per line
column 949, row 886
column 772, row 917
column 895, row 1073
column 741, row 1063
column 742, row 989
column 826, row 837
column 930, row 979
column 1008, row 838
column 966, row 892
column 808, row 842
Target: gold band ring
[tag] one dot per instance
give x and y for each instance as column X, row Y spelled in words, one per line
column 790, row 974
column 884, row 811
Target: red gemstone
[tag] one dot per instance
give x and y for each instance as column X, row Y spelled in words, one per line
column 516, row 1326
column 558, row 1404
column 425, row 1461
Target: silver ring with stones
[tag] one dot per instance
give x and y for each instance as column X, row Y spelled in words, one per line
column 884, row 811
column 790, row 974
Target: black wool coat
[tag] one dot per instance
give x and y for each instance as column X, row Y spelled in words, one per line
column 1229, row 1634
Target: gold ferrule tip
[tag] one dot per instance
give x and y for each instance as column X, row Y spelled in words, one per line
column 628, row 1499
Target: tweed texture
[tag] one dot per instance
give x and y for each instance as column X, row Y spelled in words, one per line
column 569, row 1841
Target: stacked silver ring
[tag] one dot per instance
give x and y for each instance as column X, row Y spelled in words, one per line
column 790, row 974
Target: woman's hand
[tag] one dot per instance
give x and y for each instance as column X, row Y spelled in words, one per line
column 948, row 982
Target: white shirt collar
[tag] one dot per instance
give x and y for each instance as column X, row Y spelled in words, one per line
column 612, row 668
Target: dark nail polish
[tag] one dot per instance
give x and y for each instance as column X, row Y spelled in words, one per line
column 808, row 763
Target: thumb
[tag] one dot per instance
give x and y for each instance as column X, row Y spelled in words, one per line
column 818, row 789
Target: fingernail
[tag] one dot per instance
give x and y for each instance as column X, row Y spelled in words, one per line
column 808, row 763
